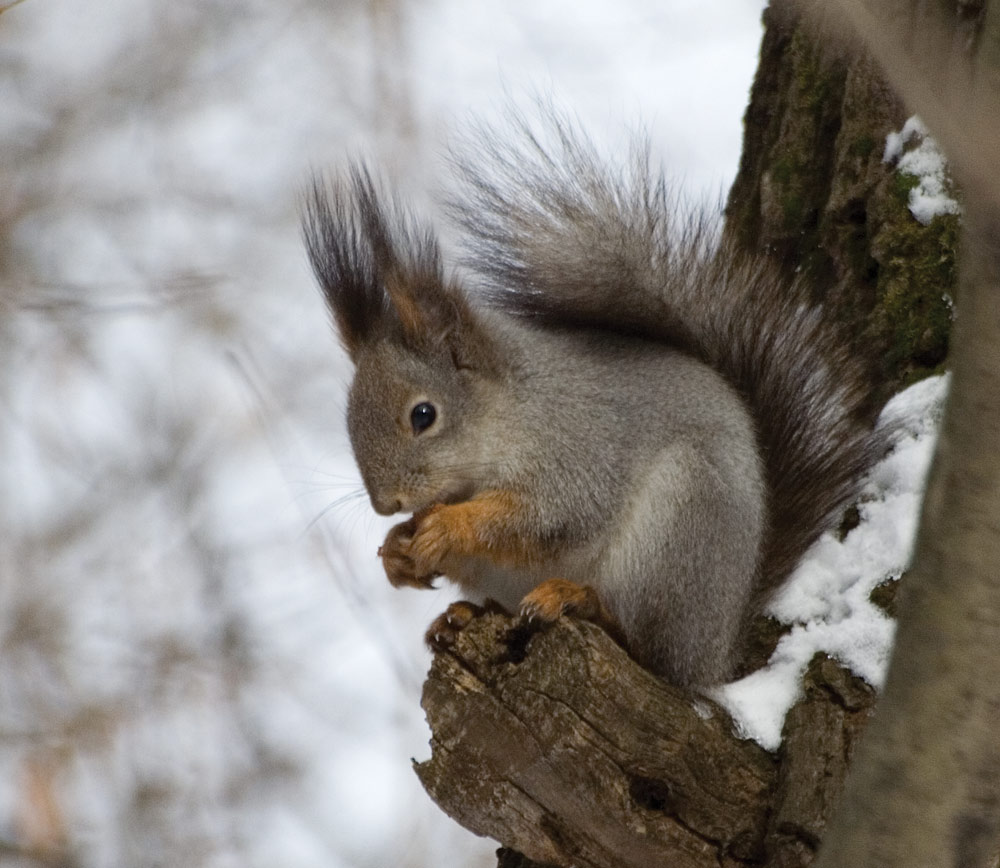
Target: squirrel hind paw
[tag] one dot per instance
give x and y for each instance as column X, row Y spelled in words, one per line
column 444, row 629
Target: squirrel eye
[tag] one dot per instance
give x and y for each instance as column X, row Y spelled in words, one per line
column 422, row 416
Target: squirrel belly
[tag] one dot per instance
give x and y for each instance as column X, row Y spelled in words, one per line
column 609, row 396
column 660, row 507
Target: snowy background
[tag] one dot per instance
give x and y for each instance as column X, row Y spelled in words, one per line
column 200, row 664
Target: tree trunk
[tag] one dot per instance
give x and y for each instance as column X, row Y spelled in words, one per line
column 926, row 789
column 814, row 193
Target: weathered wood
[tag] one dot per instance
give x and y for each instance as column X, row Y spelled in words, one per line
column 558, row 745
column 818, row 742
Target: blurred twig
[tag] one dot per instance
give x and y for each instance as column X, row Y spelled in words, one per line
column 10, row 5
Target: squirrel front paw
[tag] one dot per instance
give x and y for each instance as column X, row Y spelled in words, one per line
column 397, row 558
column 414, row 550
column 432, row 540
column 555, row 597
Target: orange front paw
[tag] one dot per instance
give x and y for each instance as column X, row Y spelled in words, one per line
column 397, row 558
column 555, row 597
column 432, row 541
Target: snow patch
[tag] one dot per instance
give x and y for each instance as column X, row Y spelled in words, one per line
column 925, row 161
column 827, row 599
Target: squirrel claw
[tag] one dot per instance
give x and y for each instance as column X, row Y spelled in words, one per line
column 444, row 629
column 556, row 597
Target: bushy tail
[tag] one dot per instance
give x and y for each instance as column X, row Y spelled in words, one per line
column 558, row 236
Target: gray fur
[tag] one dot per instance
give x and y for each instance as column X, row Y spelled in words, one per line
column 680, row 425
column 558, row 238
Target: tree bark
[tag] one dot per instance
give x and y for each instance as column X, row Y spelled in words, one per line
column 814, row 193
column 561, row 747
column 926, row 788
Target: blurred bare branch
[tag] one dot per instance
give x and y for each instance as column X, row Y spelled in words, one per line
column 165, row 637
column 9, row 5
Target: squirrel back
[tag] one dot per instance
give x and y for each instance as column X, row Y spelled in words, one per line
column 560, row 238
column 626, row 420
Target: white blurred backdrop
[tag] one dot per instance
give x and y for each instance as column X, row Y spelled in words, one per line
column 200, row 663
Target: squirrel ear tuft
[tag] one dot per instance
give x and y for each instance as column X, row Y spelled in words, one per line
column 342, row 257
column 381, row 273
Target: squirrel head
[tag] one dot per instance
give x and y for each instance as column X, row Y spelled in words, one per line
column 425, row 366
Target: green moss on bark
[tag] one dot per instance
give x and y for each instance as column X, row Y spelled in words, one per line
column 915, row 291
column 814, row 193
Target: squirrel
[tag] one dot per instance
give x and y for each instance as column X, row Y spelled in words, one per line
column 608, row 413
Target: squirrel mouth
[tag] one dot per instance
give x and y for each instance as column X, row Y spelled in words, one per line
column 395, row 503
column 387, row 507
column 445, row 497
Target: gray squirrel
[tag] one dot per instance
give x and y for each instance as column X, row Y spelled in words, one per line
column 606, row 415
